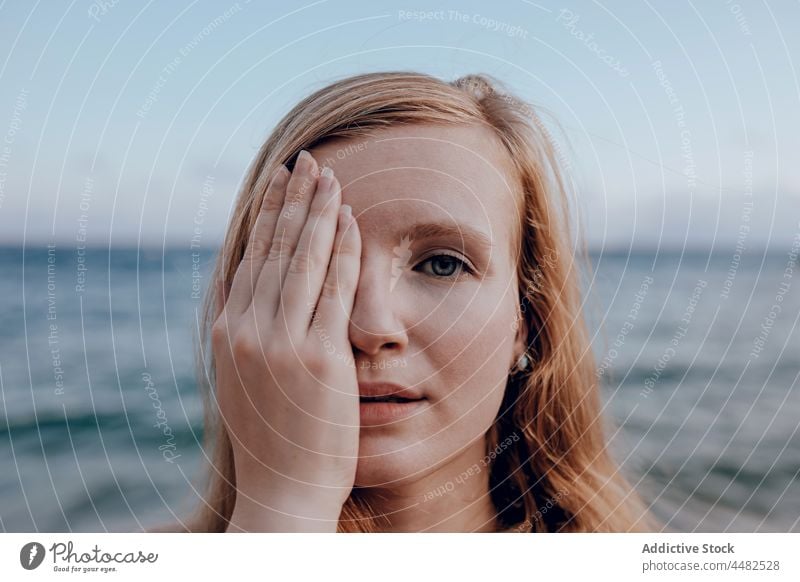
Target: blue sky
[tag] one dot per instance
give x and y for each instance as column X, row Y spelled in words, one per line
column 123, row 112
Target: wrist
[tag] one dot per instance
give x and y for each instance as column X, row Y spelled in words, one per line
column 284, row 513
column 269, row 489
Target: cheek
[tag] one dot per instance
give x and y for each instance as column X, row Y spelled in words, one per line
column 472, row 344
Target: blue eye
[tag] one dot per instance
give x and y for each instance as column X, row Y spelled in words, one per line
column 446, row 266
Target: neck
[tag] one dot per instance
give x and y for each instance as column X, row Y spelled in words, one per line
column 453, row 498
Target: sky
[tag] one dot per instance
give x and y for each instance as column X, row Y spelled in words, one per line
column 121, row 123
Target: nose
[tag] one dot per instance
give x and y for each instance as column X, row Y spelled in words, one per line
column 375, row 331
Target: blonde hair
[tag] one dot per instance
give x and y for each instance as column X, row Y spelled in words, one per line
column 554, row 473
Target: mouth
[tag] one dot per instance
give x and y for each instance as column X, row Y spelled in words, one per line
column 370, row 399
column 383, row 403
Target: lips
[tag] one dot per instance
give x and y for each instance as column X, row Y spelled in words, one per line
column 383, row 404
column 387, row 392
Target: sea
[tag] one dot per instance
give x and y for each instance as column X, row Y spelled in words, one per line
column 698, row 357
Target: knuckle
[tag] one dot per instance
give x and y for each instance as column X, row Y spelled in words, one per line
column 304, row 261
column 280, row 249
column 219, row 332
column 330, row 288
column 272, row 205
column 258, row 247
column 349, row 246
column 246, row 347
column 278, row 345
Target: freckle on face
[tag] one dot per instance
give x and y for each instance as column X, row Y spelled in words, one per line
column 456, row 336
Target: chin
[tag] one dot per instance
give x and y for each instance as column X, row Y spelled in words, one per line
column 390, row 461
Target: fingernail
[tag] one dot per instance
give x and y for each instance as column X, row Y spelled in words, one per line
column 283, row 175
column 304, row 158
column 327, row 172
column 347, row 211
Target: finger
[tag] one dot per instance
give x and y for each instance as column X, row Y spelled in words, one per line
column 259, row 241
column 309, row 264
column 299, row 192
column 339, row 290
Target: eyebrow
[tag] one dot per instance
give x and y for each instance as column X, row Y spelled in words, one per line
column 466, row 233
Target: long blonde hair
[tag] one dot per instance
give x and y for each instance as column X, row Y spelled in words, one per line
column 554, row 473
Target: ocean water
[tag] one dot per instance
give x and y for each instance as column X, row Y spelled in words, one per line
column 101, row 421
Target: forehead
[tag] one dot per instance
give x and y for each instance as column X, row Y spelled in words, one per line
column 427, row 173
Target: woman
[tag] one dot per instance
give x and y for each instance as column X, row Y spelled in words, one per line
column 397, row 339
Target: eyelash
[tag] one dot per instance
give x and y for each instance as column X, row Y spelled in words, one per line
column 463, row 266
